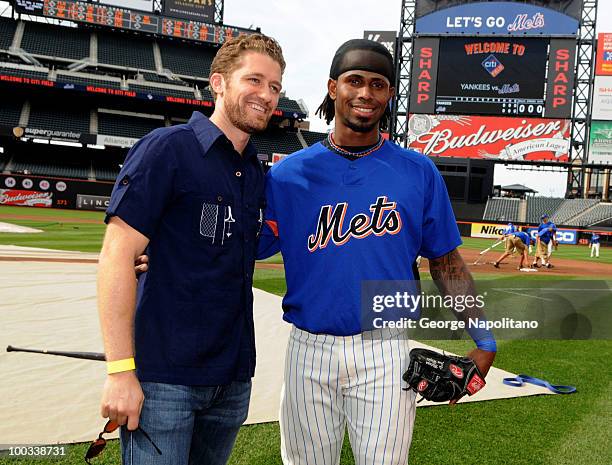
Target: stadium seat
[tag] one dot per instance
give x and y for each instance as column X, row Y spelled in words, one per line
column 502, row 209
column 152, row 77
column 536, row 206
column 276, row 141
column 186, row 59
column 58, row 117
column 601, row 212
column 125, row 51
column 312, row 138
column 111, row 124
column 10, row 111
column 53, row 41
column 161, row 90
column 571, row 208
column 22, row 72
column 87, row 81
column 61, row 165
column 7, row 31
column 287, row 104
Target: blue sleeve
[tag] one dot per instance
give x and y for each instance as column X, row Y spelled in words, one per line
column 440, row 232
column 269, row 243
column 145, row 185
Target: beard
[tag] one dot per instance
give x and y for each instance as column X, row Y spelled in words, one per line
column 360, row 126
column 236, row 113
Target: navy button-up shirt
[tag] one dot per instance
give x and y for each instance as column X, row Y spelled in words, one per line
column 201, row 205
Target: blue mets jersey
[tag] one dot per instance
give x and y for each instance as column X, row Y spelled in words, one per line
column 340, row 222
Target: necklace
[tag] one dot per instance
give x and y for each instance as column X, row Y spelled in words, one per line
column 337, row 148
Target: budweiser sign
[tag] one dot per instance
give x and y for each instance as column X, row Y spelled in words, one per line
column 25, row 198
column 496, row 138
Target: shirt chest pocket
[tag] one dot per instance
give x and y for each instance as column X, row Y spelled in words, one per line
column 216, row 220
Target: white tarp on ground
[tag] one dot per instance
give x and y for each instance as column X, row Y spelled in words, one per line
column 46, row 399
column 14, row 228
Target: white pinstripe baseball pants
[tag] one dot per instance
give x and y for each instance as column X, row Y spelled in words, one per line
column 332, row 382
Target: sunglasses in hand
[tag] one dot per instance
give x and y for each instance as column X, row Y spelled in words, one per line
column 99, row 444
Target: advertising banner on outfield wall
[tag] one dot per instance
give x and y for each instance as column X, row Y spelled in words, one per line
column 488, row 230
column 493, row 138
column 602, row 98
column 92, row 202
column 22, row 198
column 50, row 192
column 563, row 236
column 600, row 142
column 603, row 62
column 536, row 17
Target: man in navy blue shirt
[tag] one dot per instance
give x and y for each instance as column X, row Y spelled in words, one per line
column 180, row 341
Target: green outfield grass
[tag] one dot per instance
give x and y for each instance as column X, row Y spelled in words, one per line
column 62, row 234
column 572, row 252
column 548, row 430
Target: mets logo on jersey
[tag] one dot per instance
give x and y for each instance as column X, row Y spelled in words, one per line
column 384, row 218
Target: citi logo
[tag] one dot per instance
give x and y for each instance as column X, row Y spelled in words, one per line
column 492, row 65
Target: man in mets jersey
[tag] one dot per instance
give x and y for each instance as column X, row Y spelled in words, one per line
column 352, row 208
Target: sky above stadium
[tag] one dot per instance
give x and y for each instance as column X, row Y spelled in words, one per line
column 311, row 31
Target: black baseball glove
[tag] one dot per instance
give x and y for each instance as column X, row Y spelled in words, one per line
column 441, row 378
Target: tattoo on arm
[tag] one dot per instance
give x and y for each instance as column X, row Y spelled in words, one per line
column 452, row 277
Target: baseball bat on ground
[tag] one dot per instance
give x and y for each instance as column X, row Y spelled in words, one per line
column 81, row 355
column 485, row 251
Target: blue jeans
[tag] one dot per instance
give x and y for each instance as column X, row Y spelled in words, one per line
column 191, row 425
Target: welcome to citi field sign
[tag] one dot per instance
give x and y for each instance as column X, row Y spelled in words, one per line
column 530, row 18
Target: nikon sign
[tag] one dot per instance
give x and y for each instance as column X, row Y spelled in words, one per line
column 487, row 230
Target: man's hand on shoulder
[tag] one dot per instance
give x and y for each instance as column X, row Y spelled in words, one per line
column 141, row 265
column 122, row 399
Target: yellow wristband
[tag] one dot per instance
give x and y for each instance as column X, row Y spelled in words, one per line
column 118, row 366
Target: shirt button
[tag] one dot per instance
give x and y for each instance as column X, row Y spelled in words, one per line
column 238, row 174
column 219, row 199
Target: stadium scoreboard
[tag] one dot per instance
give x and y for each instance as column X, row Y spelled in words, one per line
column 526, row 77
column 492, row 76
column 125, row 18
